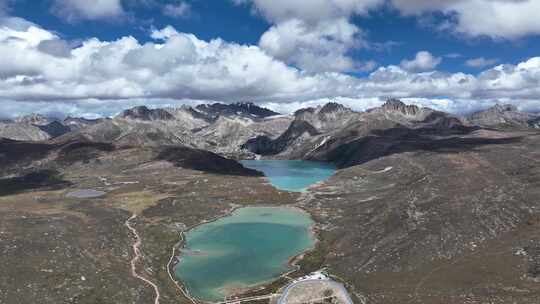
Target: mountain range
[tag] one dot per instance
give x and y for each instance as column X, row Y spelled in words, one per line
column 245, row 130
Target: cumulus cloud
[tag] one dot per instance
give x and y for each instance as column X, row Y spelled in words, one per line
column 173, row 67
column 322, row 47
column 311, row 11
column 480, row 62
column 182, row 66
column 423, row 61
column 315, row 35
column 73, row 10
column 499, row 19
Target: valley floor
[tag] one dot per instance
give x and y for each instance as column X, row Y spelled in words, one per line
column 58, row 249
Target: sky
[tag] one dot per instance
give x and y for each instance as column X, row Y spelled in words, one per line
column 96, row 58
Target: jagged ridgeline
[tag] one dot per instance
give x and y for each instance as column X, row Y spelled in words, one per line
column 244, row 130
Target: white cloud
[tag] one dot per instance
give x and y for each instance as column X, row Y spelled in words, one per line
column 310, row 11
column 499, row 18
column 480, row 62
column 322, row 47
column 73, row 10
column 98, row 76
column 506, row 19
column 181, row 67
column 180, row 10
column 315, row 35
column 423, row 61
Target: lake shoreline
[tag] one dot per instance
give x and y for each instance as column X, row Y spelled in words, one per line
column 234, row 292
column 292, row 175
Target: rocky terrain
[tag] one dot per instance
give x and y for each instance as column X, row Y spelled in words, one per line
column 218, row 127
column 38, row 127
column 222, row 128
column 244, row 130
column 427, row 207
column 504, row 116
column 437, row 222
column 337, row 134
column 60, row 249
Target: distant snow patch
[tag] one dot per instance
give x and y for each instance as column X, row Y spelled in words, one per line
column 384, row 170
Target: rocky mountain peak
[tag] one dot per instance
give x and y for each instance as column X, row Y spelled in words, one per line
column 325, row 110
column 496, row 111
column 333, row 107
column 329, row 117
column 144, row 113
column 396, row 105
column 503, row 115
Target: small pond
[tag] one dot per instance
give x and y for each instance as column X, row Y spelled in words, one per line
column 85, row 193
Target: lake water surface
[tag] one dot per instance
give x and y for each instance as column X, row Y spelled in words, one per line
column 251, row 246
column 292, row 175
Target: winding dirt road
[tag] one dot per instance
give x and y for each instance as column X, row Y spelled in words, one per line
column 137, row 257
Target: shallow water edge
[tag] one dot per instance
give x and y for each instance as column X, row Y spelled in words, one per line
column 236, row 287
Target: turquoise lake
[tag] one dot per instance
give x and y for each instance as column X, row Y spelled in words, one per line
column 250, row 247
column 292, row 175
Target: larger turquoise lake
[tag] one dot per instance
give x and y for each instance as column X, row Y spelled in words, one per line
column 292, row 175
column 250, row 247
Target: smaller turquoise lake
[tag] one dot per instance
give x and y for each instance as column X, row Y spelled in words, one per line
column 292, row 175
column 250, row 247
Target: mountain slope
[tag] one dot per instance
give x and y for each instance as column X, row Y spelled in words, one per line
column 22, row 131
column 243, row 130
column 333, row 132
column 504, row 116
column 33, row 127
column 453, row 220
column 184, row 126
column 308, row 123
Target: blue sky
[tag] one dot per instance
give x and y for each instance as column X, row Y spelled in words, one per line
column 238, row 23
column 454, row 55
